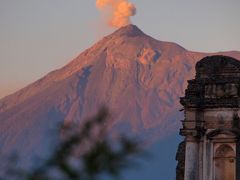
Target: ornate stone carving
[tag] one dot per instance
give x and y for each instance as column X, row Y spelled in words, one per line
column 212, row 108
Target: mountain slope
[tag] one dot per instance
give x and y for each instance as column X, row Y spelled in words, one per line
column 139, row 78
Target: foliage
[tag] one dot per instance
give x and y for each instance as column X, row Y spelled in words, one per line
column 86, row 153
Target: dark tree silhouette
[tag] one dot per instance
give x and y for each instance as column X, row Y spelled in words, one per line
column 86, row 153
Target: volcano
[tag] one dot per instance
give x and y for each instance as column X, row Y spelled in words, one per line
column 139, row 78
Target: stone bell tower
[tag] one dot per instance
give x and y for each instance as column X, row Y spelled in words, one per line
column 211, row 126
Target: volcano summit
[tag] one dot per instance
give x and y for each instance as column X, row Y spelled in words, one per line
column 139, row 78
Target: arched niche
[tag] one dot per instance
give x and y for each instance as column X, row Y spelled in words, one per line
column 224, row 163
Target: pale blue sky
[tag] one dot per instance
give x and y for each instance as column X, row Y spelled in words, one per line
column 37, row 36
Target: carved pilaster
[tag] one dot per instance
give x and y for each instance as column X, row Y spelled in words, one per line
column 211, row 108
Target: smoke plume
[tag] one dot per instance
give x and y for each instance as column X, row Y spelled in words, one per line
column 118, row 11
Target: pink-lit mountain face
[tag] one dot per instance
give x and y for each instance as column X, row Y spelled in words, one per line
column 139, row 78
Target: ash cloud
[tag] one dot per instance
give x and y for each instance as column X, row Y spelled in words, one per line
column 117, row 12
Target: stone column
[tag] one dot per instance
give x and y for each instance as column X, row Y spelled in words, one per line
column 191, row 159
column 200, row 160
column 238, row 160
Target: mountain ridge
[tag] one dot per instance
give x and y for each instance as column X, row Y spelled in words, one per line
column 129, row 29
column 124, row 31
column 138, row 77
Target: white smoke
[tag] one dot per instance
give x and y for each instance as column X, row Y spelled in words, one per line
column 119, row 11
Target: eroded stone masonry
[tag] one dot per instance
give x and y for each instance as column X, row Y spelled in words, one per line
column 211, row 125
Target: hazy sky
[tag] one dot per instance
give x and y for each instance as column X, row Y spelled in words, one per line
column 37, row 36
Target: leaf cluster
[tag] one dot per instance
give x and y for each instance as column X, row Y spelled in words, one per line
column 86, row 153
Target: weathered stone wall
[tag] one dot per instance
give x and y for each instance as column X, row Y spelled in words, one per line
column 211, row 126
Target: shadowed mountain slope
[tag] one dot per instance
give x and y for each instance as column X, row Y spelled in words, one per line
column 139, row 78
